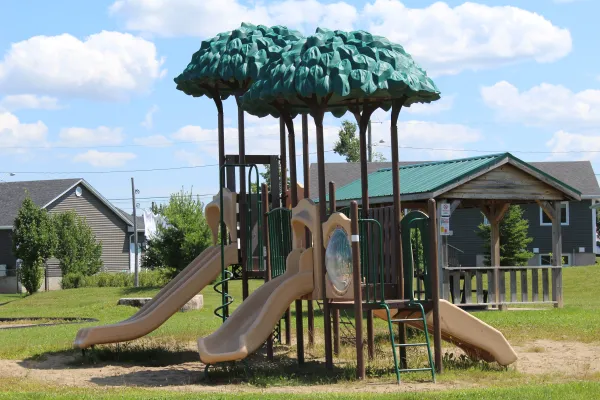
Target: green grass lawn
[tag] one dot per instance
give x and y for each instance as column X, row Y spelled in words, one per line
column 579, row 320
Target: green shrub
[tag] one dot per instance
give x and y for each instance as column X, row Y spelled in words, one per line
column 32, row 275
column 156, row 278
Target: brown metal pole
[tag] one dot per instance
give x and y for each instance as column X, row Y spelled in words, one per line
column 336, row 311
column 364, row 183
column 283, row 166
column 318, row 117
column 396, row 107
column 242, row 200
column 294, row 189
column 308, row 239
column 357, row 283
column 435, row 284
column 265, row 224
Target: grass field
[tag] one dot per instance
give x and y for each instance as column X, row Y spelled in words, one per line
column 578, row 321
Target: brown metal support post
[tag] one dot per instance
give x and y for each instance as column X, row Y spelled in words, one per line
column 308, row 239
column 357, row 282
column 335, row 312
column 318, row 117
column 396, row 107
column 265, row 224
column 557, row 290
column 243, row 204
column 294, row 189
column 283, row 168
column 435, row 284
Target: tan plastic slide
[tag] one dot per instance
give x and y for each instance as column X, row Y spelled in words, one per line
column 253, row 321
column 476, row 338
column 188, row 283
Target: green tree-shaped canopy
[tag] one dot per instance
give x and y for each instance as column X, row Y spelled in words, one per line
column 229, row 62
column 341, row 69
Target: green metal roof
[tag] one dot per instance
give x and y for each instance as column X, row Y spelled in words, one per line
column 430, row 177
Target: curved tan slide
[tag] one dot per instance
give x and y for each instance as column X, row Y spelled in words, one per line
column 253, row 321
column 476, row 338
column 188, row 283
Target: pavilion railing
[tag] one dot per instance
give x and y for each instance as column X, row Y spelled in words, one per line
column 524, row 285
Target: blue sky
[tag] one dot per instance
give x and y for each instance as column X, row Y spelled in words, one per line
column 87, row 87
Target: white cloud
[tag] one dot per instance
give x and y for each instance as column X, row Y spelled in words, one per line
column 208, row 17
column 444, row 39
column 153, row 141
column 104, row 158
column 14, row 135
column 444, row 104
column 101, row 136
column 28, row 102
column 471, row 36
column 586, row 147
column 545, row 104
column 148, row 121
column 190, row 158
column 106, row 65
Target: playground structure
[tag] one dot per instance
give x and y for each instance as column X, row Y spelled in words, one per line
column 311, row 253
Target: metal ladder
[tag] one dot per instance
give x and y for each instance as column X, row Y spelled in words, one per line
column 423, row 320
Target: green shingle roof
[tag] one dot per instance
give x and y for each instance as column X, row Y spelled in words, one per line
column 429, row 177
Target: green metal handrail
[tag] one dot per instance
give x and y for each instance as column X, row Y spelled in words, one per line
column 414, row 262
column 279, row 221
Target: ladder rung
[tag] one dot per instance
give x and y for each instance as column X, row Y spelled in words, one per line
column 410, row 344
column 407, row 320
column 415, row 369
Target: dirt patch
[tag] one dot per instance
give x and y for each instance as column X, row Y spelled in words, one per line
column 538, row 357
column 551, row 357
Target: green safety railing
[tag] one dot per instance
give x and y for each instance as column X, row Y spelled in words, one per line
column 415, row 255
column 371, row 259
column 222, row 286
column 279, row 221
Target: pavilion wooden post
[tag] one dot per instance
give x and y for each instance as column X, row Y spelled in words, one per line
column 289, row 122
column 267, row 253
column 242, row 201
column 357, row 283
column 494, row 213
column 397, row 232
column 308, row 239
column 557, row 290
column 283, row 168
column 336, row 311
column 435, row 284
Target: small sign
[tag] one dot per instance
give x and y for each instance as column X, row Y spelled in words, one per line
column 446, row 210
column 445, row 226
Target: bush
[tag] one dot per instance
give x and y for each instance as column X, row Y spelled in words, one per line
column 119, row 279
column 31, row 276
column 77, row 249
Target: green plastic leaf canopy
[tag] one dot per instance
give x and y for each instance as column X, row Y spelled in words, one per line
column 351, row 68
column 230, row 61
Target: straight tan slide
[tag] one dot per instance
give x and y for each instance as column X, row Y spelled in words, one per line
column 253, row 321
column 476, row 338
column 188, row 283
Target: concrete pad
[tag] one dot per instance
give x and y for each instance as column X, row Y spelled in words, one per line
column 196, row 303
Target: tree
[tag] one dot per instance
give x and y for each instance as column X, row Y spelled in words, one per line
column 34, row 241
column 185, row 235
column 348, row 144
column 77, row 249
column 513, row 239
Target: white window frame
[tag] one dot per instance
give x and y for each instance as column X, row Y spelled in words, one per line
column 542, row 223
column 567, row 256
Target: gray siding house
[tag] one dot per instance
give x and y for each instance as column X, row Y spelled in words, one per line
column 578, row 220
column 112, row 226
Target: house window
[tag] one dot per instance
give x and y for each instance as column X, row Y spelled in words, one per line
column 564, row 215
column 485, row 220
column 546, row 259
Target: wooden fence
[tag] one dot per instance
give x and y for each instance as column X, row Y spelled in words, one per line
column 476, row 286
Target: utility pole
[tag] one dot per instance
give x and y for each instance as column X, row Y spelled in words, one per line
column 370, row 143
column 136, row 279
